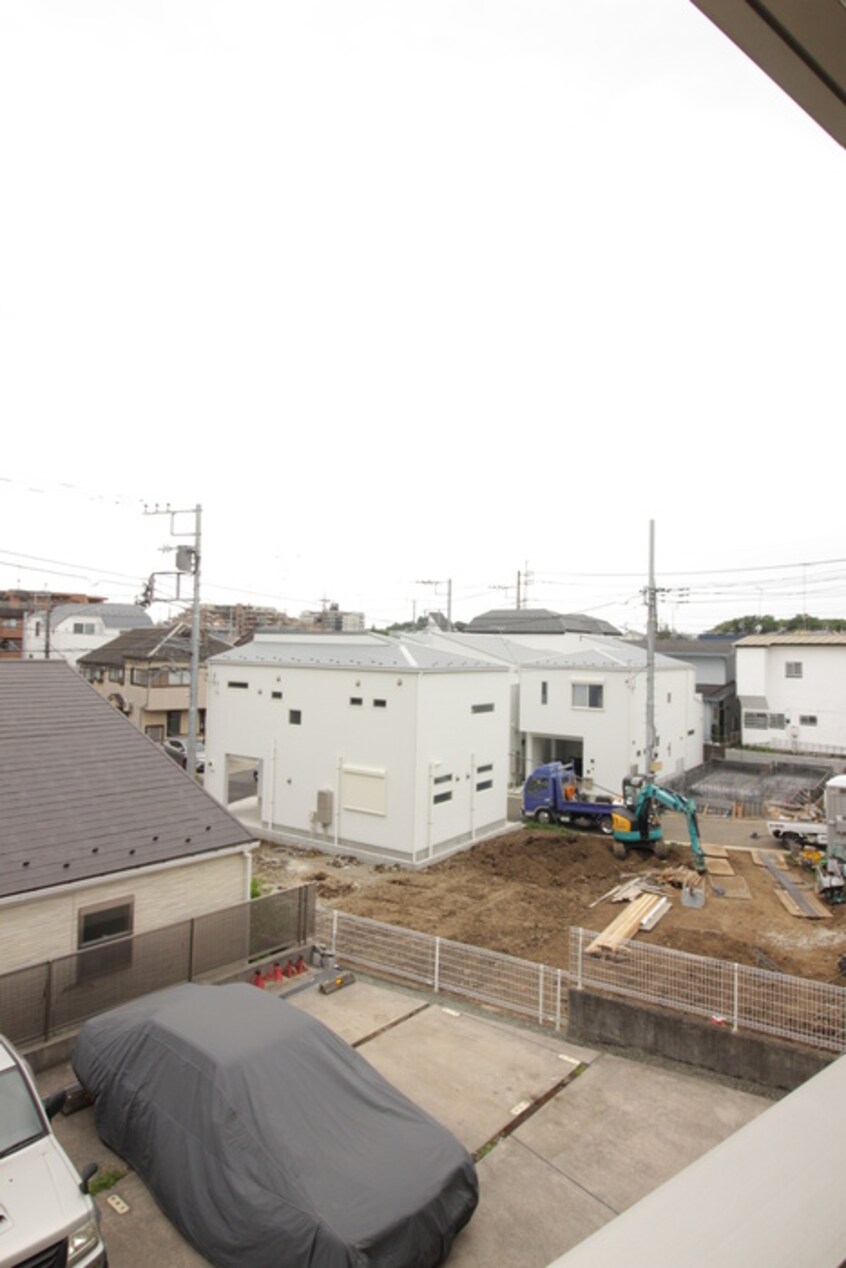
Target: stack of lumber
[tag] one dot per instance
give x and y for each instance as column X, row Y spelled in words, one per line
column 680, row 877
column 643, row 913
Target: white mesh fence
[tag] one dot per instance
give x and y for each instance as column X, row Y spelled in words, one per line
column 518, row 986
column 734, row 995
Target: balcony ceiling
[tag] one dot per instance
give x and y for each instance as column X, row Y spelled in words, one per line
column 800, row 44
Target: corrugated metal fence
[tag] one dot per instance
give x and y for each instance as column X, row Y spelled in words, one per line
column 43, row 999
column 735, row 995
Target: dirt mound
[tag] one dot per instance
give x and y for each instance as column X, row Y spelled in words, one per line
column 521, row 892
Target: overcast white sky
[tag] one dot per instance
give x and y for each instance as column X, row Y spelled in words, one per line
column 404, row 291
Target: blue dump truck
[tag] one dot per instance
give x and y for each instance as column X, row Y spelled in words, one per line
column 551, row 794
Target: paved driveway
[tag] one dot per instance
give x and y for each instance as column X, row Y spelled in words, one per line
column 568, row 1136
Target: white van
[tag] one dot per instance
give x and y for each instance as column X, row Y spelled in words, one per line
column 47, row 1215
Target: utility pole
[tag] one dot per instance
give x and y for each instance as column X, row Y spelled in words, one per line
column 47, row 614
column 187, row 561
column 651, row 627
column 523, row 579
column 448, row 585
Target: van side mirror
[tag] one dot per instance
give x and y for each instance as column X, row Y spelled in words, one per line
column 53, row 1104
column 88, row 1171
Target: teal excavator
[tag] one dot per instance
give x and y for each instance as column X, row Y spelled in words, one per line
column 637, row 823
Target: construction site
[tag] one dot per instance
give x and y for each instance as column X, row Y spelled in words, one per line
column 754, row 902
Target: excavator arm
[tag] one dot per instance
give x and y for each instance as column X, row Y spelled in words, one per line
column 640, row 825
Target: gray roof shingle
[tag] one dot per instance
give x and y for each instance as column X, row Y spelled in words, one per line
column 115, row 616
column 365, row 652
column 83, row 793
column 537, row 621
column 155, row 644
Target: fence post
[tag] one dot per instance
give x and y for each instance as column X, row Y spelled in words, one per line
column 437, row 964
column 334, row 931
column 735, row 995
column 558, row 999
column 48, row 1001
column 579, row 961
column 540, row 996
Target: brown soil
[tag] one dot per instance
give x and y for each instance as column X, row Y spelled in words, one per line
column 520, row 893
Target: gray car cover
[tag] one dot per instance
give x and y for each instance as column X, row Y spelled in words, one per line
column 269, row 1141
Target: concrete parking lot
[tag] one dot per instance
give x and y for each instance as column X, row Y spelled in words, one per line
column 567, row 1137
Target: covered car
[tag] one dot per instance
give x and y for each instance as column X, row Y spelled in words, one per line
column 267, row 1139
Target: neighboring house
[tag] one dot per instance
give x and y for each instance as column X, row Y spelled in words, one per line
column 146, row 675
column 103, row 836
column 714, row 662
column 586, row 702
column 68, row 631
column 360, row 743
column 792, row 690
column 531, row 621
column 14, row 608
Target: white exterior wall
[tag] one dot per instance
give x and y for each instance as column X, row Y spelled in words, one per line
column 387, row 756
column 819, row 693
column 44, row 926
column 64, row 642
column 605, row 733
column 711, row 671
column 679, row 720
column 614, row 737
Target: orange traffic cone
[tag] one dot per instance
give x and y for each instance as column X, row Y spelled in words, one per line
column 258, row 980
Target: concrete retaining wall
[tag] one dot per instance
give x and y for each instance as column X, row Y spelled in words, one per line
column 602, row 1019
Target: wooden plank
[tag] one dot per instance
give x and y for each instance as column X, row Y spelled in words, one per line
column 625, row 926
column 822, row 910
column 787, row 902
column 735, row 887
column 660, row 909
column 761, row 857
column 817, row 910
column 719, row 867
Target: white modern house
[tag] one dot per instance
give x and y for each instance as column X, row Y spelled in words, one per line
column 792, row 690
column 360, row 743
column 70, row 630
column 581, row 697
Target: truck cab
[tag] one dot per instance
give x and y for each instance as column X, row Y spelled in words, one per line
column 552, row 794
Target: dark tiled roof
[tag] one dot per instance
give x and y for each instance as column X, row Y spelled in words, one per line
column 537, row 621
column 154, row 644
column 83, row 793
column 692, row 646
column 117, row 616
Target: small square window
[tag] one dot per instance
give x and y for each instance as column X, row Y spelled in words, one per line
column 483, row 784
column 793, row 669
column 356, row 700
column 295, row 717
column 276, row 695
column 587, row 695
column 442, row 796
column 481, row 708
column 380, row 704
